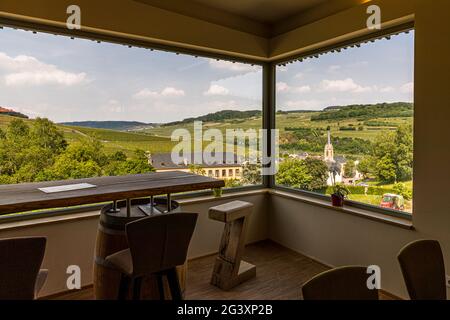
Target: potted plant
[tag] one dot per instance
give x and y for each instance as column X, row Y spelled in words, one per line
column 340, row 192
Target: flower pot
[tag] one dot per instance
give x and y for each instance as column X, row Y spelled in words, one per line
column 337, row 200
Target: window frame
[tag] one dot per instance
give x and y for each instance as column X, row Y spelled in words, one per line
column 114, row 39
column 268, row 100
column 405, row 27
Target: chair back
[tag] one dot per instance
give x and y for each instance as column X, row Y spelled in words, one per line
column 422, row 265
column 20, row 261
column 346, row 283
column 160, row 242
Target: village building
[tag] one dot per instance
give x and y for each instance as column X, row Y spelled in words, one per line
column 162, row 162
column 336, row 166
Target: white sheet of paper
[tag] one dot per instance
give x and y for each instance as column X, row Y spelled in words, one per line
column 67, row 187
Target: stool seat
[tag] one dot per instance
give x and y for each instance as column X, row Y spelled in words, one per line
column 230, row 211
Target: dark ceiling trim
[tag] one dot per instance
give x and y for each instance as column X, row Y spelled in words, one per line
column 94, row 36
column 348, row 43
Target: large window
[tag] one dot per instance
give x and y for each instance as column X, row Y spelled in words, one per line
column 346, row 117
column 77, row 108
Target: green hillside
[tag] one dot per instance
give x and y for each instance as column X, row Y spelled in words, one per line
column 112, row 125
column 361, row 121
column 112, row 140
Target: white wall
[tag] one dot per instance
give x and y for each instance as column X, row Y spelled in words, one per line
column 339, row 239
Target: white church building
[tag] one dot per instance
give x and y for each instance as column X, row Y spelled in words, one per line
column 338, row 164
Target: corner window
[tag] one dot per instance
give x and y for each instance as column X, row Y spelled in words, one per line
column 346, row 117
column 76, row 108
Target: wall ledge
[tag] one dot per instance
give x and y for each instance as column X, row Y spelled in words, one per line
column 363, row 213
column 94, row 214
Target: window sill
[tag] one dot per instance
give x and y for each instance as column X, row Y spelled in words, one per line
column 364, row 213
column 94, row 213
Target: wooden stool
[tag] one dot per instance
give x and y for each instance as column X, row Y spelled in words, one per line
column 157, row 244
column 229, row 269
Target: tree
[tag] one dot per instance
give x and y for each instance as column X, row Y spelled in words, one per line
column 349, row 169
column 393, row 155
column 232, row 183
column 365, row 167
column 404, row 153
column 401, row 189
column 385, row 169
column 37, row 151
column 318, row 170
column 293, row 173
column 196, row 169
column 251, row 173
column 46, row 135
column 118, row 156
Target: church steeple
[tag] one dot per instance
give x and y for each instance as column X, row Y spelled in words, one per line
column 329, row 150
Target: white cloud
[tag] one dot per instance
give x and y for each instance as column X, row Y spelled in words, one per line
column 113, row 106
column 302, row 89
column 228, row 65
column 145, row 93
column 170, row 91
column 166, row 92
column 283, row 87
column 347, row 85
column 299, row 75
column 216, row 90
column 387, row 89
column 334, row 68
column 407, row 87
column 27, row 70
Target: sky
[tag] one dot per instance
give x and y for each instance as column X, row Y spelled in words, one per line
column 382, row 71
column 50, row 76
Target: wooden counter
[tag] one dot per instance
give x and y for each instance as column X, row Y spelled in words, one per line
column 27, row 196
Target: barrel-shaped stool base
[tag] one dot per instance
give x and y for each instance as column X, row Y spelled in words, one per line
column 111, row 238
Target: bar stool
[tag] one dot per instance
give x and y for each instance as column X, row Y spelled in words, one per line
column 344, row 283
column 157, row 244
column 229, row 269
column 423, row 268
column 20, row 275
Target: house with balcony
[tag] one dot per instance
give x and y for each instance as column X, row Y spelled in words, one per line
column 228, row 168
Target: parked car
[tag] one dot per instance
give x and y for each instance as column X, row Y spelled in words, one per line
column 393, row 201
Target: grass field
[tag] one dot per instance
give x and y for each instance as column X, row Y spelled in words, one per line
column 157, row 140
column 294, row 120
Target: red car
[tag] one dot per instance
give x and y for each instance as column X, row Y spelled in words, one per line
column 393, row 201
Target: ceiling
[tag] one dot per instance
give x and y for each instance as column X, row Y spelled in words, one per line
column 263, row 11
column 265, row 18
